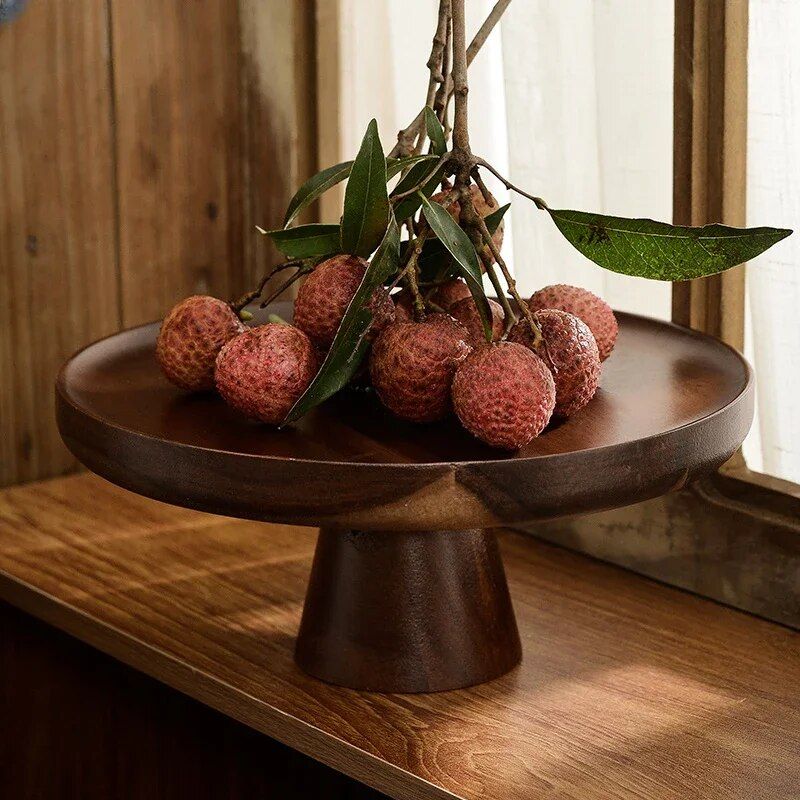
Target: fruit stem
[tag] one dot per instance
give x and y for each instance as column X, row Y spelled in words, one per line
column 304, row 270
column 248, row 298
column 412, row 277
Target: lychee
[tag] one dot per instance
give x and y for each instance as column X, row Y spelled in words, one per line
column 412, row 366
column 466, row 312
column 263, row 371
column 568, row 347
column 585, row 305
column 191, row 336
column 504, row 395
column 324, row 296
column 482, row 207
column 443, row 296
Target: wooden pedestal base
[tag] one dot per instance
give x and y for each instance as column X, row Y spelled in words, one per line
column 407, row 611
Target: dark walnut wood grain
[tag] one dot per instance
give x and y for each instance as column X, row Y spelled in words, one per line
column 417, row 613
column 672, row 404
column 628, row 689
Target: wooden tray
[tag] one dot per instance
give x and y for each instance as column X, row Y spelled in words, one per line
column 407, row 591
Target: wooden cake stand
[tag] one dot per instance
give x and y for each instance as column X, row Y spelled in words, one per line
column 407, row 591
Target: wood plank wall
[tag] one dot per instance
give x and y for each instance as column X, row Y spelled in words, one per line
column 139, row 144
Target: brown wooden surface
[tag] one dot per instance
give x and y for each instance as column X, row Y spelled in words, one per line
column 78, row 725
column 58, row 277
column 672, row 405
column 140, row 142
column 628, row 689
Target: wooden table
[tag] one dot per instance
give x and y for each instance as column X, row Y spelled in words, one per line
column 628, row 689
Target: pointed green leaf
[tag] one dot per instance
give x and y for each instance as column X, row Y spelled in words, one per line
column 306, row 241
column 314, row 187
column 395, row 165
column 435, row 263
column 466, row 260
column 350, row 344
column 366, row 200
column 494, row 219
column 408, row 206
column 657, row 250
column 327, row 178
column 435, row 132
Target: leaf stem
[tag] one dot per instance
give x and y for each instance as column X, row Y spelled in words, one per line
column 540, row 204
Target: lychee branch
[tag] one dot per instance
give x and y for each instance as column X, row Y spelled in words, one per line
column 407, row 136
column 436, row 65
column 538, row 202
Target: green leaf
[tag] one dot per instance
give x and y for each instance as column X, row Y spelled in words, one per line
column 306, row 241
column 350, row 344
column 435, row 262
column 435, row 132
column 314, row 187
column 366, row 201
column 327, row 178
column 395, row 165
column 649, row 249
column 408, row 206
column 463, row 252
column 494, row 219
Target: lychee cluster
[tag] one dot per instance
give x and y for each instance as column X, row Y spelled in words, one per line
column 504, row 391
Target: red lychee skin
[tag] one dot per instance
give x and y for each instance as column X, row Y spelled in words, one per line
column 443, row 296
column 593, row 310
column 191, row 336
column 504, row 395
column 324, row 296
column 466, row 312
column 483, row 208
column 569, row 349
column 412, row 366
column 263, row 371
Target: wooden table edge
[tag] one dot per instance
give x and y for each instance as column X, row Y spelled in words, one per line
column 213, row 692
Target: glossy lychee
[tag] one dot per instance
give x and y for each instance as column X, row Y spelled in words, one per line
column 466, row 312
column 191, row 336
column 412, row 366
column 324, row 296
column 263, row 371
column 569, row 349
column 504, row 395
column 483, row 208
column 585, row 305
column 442, row 296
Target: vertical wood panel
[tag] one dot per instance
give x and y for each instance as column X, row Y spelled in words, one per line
column 176, row 82
column 710, row 138
column 58, row 278
column 279, row 121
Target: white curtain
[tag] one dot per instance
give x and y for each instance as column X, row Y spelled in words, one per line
column 773, row 198
column 571, row 98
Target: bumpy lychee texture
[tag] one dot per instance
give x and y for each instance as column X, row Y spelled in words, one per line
column 443, row 296
column 466, row 312
column 585, row 305
column 263, row 371
column 191, row 336
column 569, row 349
column 324, row 296
column 504, row 395
column 412, row 366
column 483, row 208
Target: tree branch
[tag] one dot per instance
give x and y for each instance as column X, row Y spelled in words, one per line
column 460, row 84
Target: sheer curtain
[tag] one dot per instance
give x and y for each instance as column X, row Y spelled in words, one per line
column 571, row 99
column 773, row 197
